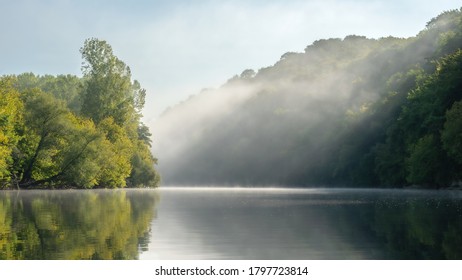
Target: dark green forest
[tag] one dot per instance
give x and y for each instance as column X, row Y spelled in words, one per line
column 345, row 112
column 68, row 131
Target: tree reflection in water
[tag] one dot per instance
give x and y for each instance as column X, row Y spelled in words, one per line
column 96, row 224
column 342, row 224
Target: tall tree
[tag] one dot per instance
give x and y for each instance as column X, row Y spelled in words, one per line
column 114, row 102
column 108, row 88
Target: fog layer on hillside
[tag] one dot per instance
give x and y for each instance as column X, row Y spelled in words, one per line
column 318, row 117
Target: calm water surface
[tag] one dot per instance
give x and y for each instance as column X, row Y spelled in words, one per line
column 237, row 223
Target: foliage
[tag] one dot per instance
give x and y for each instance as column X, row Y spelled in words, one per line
column 63, row 87
column 108, row 87
column 11, row 117
column 352, row 111
column 452, row 133
column 116, row 166
column 65, row 131
column 142, row 173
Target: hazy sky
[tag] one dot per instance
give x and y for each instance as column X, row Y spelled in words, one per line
column 176, row 48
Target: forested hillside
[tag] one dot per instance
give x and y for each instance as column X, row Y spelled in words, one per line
column 66, row 131
column 346, row 112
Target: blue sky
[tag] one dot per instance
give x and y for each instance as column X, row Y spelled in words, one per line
column 176, row 48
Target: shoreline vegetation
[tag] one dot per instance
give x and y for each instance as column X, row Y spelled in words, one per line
column 59, row 131
column 457, row 187
column 347, row 112
column 353, row 112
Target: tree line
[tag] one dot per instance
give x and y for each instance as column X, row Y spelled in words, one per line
column 346, row 112
column 67, row 131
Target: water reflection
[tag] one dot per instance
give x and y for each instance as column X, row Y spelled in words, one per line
column 75, row 224
column 307, row 224
column 422, row 227
column 231, row 224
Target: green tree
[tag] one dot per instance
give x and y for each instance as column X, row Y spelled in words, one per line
column 424, row 161
column 108, row 91
column 57, row 146
column 63, row 87
column 45, row 127
column 83, row 155
column 80, row 132
column 143, row 174
column 11, row 116
column 114, row 103
column 118, row 150
column 452, row 132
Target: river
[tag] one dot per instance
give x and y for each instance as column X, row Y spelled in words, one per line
column 231, row 223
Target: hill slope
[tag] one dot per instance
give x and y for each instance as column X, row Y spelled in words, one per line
column 352, row 111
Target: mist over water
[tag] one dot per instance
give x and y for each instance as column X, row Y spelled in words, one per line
column 282, row 223
column 231, row 223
